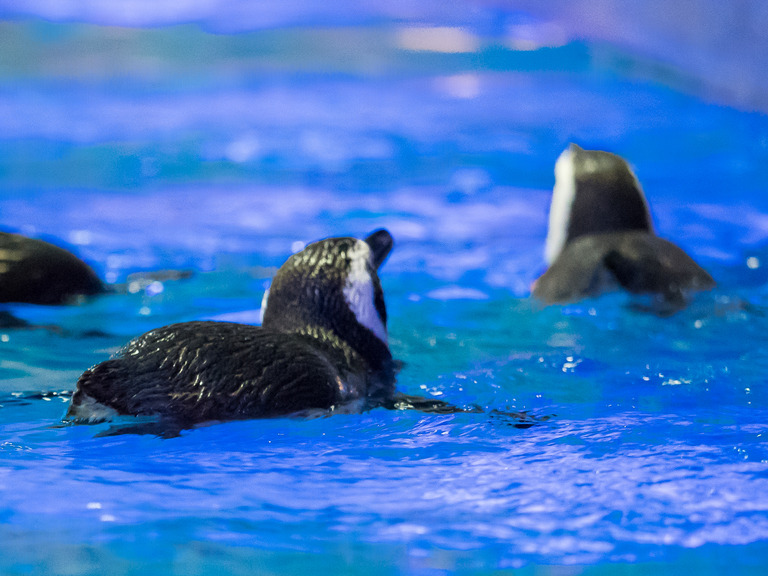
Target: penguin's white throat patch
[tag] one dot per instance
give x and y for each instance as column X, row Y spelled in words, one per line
column 359, row 292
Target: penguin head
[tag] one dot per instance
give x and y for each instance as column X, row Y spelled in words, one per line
column 595, row 192
column 333, row 285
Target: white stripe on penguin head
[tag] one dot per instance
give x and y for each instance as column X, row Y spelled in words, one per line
column 359, row 293
column 562, row 201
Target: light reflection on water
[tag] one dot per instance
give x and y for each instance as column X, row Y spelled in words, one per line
column 153, row 148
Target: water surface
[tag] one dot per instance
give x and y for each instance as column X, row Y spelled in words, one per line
column 220, row 146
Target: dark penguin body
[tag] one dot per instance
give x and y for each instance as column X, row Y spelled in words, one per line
column 36, row 272
column 322, row 344
column 601, row 237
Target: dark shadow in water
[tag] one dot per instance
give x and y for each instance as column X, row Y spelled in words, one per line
column 172, row 428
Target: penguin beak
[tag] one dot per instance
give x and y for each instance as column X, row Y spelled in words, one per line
column 381, row 243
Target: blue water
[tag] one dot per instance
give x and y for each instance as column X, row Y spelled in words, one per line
column 221, row 141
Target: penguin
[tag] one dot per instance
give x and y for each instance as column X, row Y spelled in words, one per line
column 33, row 271
column 322, row 345
column 601, row 238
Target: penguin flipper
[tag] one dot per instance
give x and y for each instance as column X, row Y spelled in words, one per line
column 400, row 401
column 647, row 264
column 578, row 272
column 640, row 262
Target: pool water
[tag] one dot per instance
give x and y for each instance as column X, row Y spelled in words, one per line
column 222, row 145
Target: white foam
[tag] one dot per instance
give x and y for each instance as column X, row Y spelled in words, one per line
column 90, row 410
column 359, row 293
column 563, row 195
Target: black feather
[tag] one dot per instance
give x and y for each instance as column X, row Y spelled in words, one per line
column 310, row 353
column 639, row 262
column 36, row 272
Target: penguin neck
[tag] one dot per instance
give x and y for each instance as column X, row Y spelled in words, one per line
column 355, row 341
column 313, row 302
column 330, row 341
column 607, row 198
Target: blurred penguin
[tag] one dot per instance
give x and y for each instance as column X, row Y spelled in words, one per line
column 601, row 238
column 33, row 271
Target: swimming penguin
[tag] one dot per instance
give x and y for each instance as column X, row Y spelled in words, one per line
column 33, row 271
column 601, row 237
column 322, row 345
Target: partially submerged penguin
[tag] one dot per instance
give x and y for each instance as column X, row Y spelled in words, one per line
column 33, row 271
column 322, row 345
column 601, row 237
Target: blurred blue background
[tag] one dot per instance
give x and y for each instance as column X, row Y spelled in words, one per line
column 221, row 136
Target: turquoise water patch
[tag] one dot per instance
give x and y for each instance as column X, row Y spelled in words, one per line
column 174, row 147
